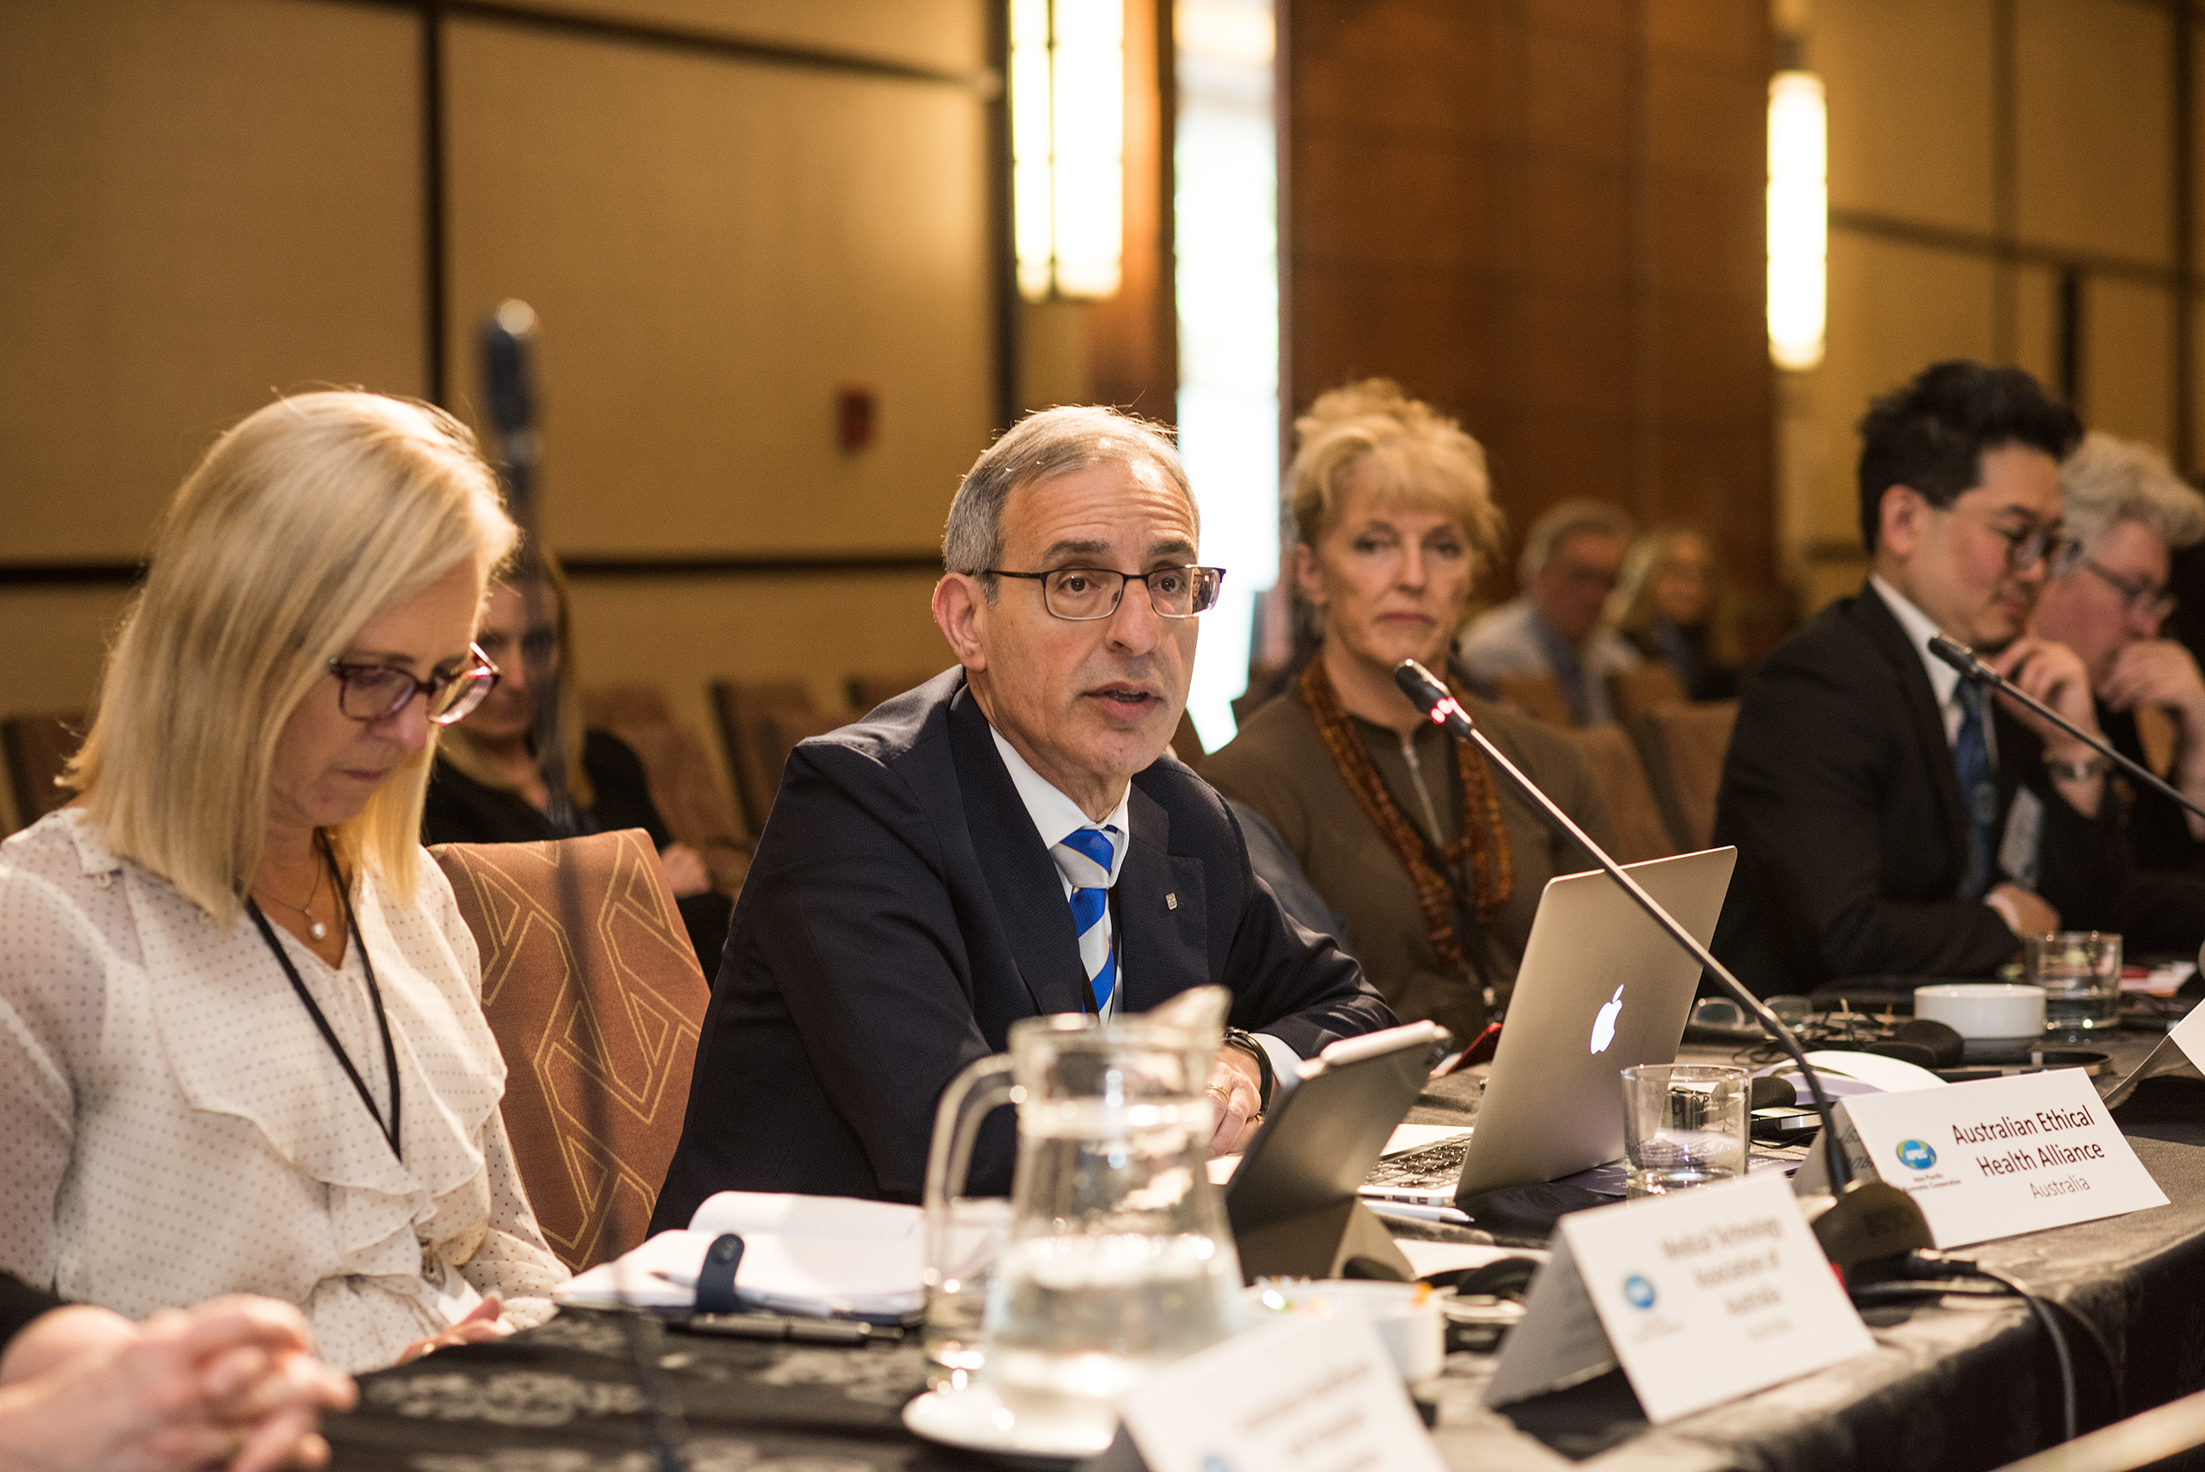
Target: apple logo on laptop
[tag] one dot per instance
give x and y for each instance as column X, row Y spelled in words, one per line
column 1604, row 1022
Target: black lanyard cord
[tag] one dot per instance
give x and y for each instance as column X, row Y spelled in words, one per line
column 329, row 1036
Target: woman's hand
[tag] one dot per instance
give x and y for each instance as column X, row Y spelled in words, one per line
column 232, row 1383
column 479, row 1327
column 685, row 870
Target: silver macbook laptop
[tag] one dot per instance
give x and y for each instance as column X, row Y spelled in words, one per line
column 1601, row 987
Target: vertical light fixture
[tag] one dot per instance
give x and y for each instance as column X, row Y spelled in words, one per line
column 1068, row 146
column 1799, row 219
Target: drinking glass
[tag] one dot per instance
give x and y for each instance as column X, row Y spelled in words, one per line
column 2080, row 974
column 1684, row 1124
column 973, row 1234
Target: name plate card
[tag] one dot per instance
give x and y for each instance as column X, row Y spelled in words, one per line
column 2181, row 1052
column 1998, row 1157
column 1701, row 1296
column 1309, row 1395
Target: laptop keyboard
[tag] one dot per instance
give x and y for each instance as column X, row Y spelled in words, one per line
column 1430, row 1165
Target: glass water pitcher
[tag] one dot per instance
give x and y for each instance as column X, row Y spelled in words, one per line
column 1119, row 1258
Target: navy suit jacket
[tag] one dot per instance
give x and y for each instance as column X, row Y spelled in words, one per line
column 901, row 913
column 1839, row 791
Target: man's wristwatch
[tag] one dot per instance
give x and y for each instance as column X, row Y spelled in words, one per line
column 1266, row 1079
column 2082, row 771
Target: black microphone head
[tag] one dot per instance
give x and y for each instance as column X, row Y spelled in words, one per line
column 509, row 390
column 1905, row 1052
column 1772, row 1092
column 1945, row 1044
column 1961, row 658
column 1419, row 685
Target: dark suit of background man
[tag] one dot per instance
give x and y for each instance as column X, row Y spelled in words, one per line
column 914, row 890
column 1887, row 820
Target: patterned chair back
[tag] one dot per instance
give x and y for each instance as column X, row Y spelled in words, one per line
column 594, row 995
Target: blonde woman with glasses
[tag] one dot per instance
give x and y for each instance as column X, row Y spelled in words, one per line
column 241, row 1042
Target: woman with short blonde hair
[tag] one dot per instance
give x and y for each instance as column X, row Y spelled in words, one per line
column 1402, row 452
column 244, row 1048
column 1435, row 863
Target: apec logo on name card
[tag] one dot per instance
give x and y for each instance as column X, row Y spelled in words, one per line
column 1702, row 1297
column 2001, row 1156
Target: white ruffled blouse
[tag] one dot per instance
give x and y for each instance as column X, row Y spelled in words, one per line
column 174, row 1127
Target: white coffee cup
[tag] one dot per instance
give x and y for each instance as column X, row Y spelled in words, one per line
column 1406, row 1315
column 1987, row 1014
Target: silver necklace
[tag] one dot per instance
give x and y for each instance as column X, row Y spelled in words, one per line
column 314, row 927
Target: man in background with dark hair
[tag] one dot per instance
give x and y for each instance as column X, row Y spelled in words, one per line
column 1889, row 819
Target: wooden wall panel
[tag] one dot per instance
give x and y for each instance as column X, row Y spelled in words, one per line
column 950, row 35
column 53, row 643
column 2095, row 126
column 1895, row 309
column 1910, row 108
column 204, row 202
column 1546, row 217
column 715, row 249
column 2037, row 323
column 2128, row 342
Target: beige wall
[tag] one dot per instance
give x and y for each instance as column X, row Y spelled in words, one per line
column 205, row 201
column 1953, row 217
column 210, row 201
column 713, row 251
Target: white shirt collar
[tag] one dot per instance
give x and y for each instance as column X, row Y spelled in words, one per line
column 1920, row 629
column 1056, row 815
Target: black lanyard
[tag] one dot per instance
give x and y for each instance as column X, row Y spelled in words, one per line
column 329, row 1036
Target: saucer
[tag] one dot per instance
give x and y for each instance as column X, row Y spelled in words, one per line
column 976, row 1419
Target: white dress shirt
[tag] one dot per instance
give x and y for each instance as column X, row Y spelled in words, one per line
column 1944, row 680
column 1055, row 816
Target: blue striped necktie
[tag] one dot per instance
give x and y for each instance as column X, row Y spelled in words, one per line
column 1084, row 858
column 1971, row 763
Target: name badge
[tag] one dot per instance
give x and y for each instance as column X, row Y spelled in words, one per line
column 1994, row 1158
column 1702, row 1296
column 1314, row 1394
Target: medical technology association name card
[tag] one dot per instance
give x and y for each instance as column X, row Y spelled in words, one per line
column 1308, row 1395
column 1998, row 1157
column 1702, row 1296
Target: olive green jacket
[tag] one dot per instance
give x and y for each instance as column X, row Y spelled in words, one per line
column 1279, row 766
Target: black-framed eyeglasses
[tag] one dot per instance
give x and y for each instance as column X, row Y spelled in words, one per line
column 1080, row 593
column 376, row 692
column 2138, row 595
column 2038, row 542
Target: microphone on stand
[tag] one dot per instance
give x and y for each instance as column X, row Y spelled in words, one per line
column 1964, row 659
column 1867, row 1220
column 506, row 336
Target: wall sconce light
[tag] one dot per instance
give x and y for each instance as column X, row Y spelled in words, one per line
column 1068, row 146
column 1799, row 219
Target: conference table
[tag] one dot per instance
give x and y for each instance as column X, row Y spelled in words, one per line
column 1954, row 1383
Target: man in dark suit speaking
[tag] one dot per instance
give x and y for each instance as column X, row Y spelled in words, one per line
column 1008, row 839
column 1888, row 819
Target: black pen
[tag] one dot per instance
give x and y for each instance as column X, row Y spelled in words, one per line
column 784, row 1326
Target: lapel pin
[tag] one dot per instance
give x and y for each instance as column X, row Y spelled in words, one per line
column 1171, row 902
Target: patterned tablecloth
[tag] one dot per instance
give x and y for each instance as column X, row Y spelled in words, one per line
column 1953, row 1385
